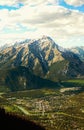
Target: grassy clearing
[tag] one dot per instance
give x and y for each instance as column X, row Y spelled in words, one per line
column 37, row 93
column 11, row 108
column 73, row 83
column 79, row 81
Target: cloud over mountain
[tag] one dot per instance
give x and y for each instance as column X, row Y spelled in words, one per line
column 36, row 18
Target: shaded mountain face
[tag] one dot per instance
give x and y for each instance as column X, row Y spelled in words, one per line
column 79, row 51
column 20, row 78
column 42, row 58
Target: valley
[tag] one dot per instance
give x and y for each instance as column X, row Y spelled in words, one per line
column 44, row 83
column 51, row 108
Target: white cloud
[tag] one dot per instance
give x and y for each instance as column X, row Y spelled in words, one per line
column 41, row 2
column 75, row 2
column 59, row 23
column 28, row 2
column 8, row 2
column 55, row 18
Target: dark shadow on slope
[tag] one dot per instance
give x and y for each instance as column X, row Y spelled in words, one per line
column 9, row 122
column 21, row 78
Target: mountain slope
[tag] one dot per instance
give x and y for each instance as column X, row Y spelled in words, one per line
column 37, row 55
column 79, row 51
column 18, row 122
column 20, row 78
column 42, row 57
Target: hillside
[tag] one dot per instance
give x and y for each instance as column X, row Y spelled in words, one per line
column 37, row 63
column 20, row 78
column 41, row 82
column 79, row 51
column 9, row 121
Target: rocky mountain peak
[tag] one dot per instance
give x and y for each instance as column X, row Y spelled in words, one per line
column 43, row 57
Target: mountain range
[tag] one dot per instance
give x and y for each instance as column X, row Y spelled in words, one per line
column 37, row 63
column 79, row 51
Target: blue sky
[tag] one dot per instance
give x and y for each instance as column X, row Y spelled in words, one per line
column 11, row 7
column 72, row 7
column 61, row 3
column 63, row 20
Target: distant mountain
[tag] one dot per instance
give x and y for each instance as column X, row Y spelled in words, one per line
column 79, row 51
column 42, row 58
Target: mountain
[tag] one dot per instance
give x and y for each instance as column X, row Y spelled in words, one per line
column 37, row 55
column 29, row 62
column 20, row 78
column 79, row 51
